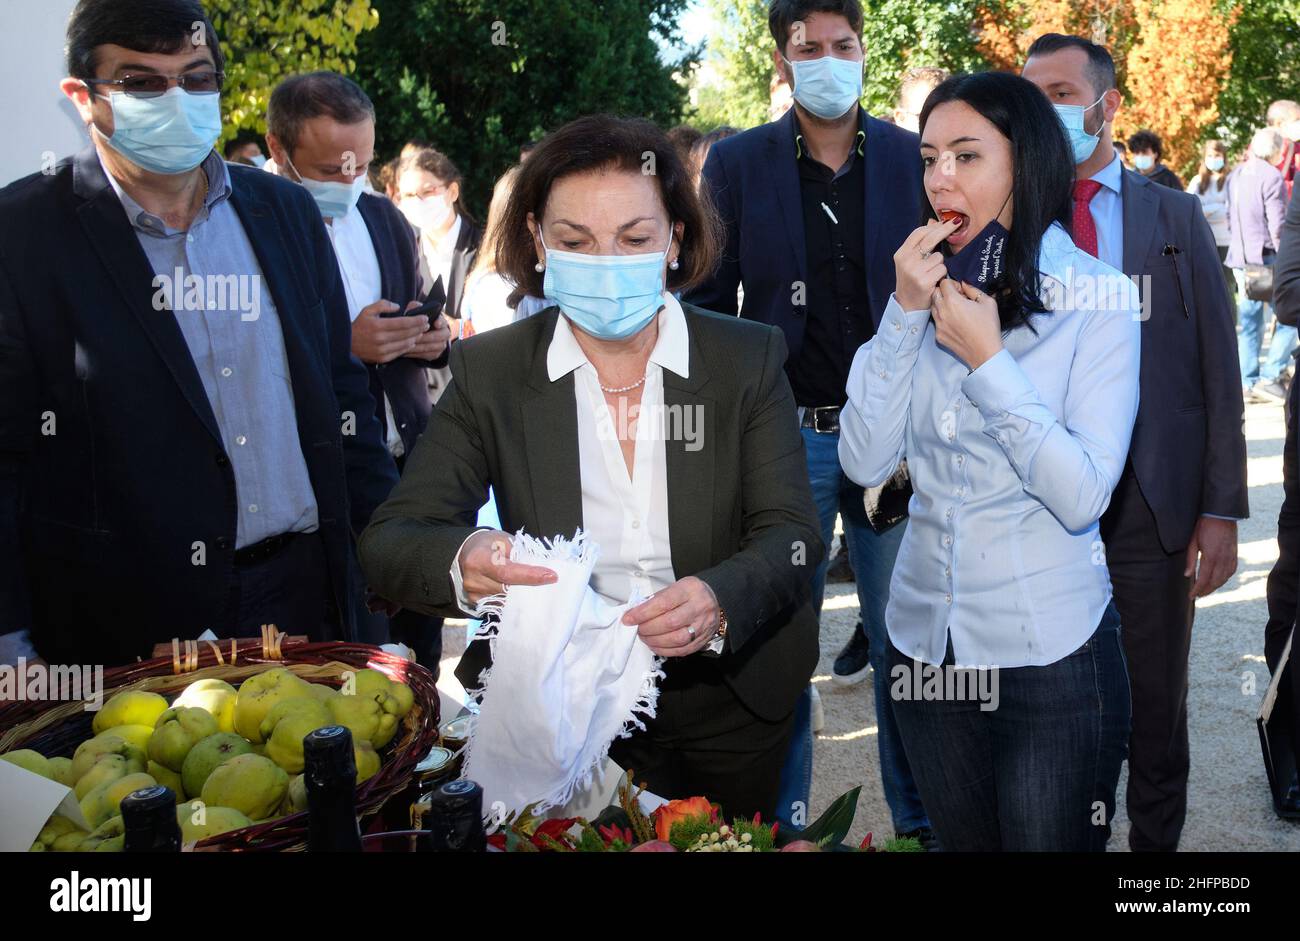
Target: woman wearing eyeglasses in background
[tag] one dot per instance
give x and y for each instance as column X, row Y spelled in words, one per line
column 1014, row 405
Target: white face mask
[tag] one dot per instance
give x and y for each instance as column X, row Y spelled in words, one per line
column 426, row 213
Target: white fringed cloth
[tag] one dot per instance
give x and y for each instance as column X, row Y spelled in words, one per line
column 567, row 678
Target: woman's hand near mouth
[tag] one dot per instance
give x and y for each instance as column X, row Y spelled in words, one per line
column 918, row 268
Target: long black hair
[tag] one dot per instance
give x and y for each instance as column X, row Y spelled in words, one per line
column 1042, row 175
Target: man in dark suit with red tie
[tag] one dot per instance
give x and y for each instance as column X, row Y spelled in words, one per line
column 1170, row 532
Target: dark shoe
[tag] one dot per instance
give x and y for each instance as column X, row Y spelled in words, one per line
column 854, row 660
column 923, row 835
column 1270, row 392
column 840, row 571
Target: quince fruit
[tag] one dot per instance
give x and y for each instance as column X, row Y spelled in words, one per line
column 214, row 695
column 322, row 692
column 61, row 771
column 179, row 729
column 251, row 784
column 135, row 707
column 374, row 685
column 206, row 756
column 258, row 695
column 199, row 821
column 167, row 778
column 89, row 753
column 32, row 761
column 364, row 718
column 287, row 725
column 57, row 826
column 405, row 698
column 367, row 760
column 295, row 798
column 101, row 803
column 111, row 829
column 69, row 842
column 137, row 735
column 108, row 768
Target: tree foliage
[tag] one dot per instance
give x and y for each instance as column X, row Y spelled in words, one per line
column 480, row 78
column 265, row 41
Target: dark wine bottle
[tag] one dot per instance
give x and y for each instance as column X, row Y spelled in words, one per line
column 330, row 773
column 455, row 818
column 149, row 821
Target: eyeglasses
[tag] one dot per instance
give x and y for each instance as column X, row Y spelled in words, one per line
column 152, row 85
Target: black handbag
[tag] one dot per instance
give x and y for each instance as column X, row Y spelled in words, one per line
column 1258, row 278
column 886, row 505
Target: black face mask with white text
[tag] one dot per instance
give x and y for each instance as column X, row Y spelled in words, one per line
column 980, row 262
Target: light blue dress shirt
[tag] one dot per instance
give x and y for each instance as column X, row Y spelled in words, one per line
column 1108, row 213
column 1012, row 465
column 239, row 354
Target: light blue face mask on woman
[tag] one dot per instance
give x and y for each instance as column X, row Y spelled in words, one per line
column 168, row 134
column 609, row 296
column 827, row 87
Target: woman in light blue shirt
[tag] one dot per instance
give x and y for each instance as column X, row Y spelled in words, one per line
column 1013, row 402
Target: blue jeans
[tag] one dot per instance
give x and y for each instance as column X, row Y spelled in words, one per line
column 872, row 556
column 1252, row 315
column 1039, row 771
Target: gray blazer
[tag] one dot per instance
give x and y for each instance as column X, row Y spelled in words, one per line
column 1256, row 205
column 741, row 513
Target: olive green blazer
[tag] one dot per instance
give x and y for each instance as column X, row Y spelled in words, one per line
column 741, row 513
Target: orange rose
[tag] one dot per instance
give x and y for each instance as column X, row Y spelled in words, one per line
column 670, row 813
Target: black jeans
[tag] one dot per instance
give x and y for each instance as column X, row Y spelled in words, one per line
column 1036, row 772
column 291, row 590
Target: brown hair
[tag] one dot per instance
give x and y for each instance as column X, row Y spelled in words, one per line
column 1204, row 177
column 601, row 142
column 440, row 165
column 485, row 259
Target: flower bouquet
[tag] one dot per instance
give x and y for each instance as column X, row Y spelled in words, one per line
column 692, row 825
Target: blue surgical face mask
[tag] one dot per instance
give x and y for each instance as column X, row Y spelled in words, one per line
column 981, row 261
column 608, row 296
column 827, row 87
column 1214, row 164
column 1081, row 142
column 1144, row 162
column 172, row 133
column 335, row 200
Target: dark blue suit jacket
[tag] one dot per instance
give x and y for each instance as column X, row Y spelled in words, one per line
column 99, row 520
column 753, row 179
column 405, row 380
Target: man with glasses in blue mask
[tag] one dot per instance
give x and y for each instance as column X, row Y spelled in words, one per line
column 186, row 442
column 815, row 204
column 1170, row 532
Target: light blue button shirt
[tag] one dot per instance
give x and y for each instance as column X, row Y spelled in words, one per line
column 1108, row 213
column 1012, row 465
column 237, row 346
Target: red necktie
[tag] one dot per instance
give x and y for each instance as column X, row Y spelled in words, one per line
column 1085, row 229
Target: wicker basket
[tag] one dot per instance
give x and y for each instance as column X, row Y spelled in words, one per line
column 56, row 728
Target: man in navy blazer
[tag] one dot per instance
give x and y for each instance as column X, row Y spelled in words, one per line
column 1170, row 532
column 321, row 132
column 814, row 206
column 186, row 441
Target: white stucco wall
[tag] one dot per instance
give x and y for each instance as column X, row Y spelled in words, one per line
column 35, row 116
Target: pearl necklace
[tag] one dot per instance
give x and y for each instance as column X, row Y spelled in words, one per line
column 624, row 389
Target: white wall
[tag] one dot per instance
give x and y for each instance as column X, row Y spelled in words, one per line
column 36, row 117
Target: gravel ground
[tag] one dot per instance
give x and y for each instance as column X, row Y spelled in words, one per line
column 1228, row 806
column 1228, row 800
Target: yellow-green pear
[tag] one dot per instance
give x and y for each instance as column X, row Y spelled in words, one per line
column 61, row 771
column 32, row 761
column 179, row 730
column 258, row 695
column 111, row 829
column 134, row 707
column 167, row 778
column 69, row 842
column 199, row 821
column 206, row 756
column 251, row 784
column 289, row 723
column 102, row 803
column 214, row 695
column 109, row 743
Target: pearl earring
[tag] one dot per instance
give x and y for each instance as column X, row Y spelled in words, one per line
column 539, row 267
column 673, row 264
